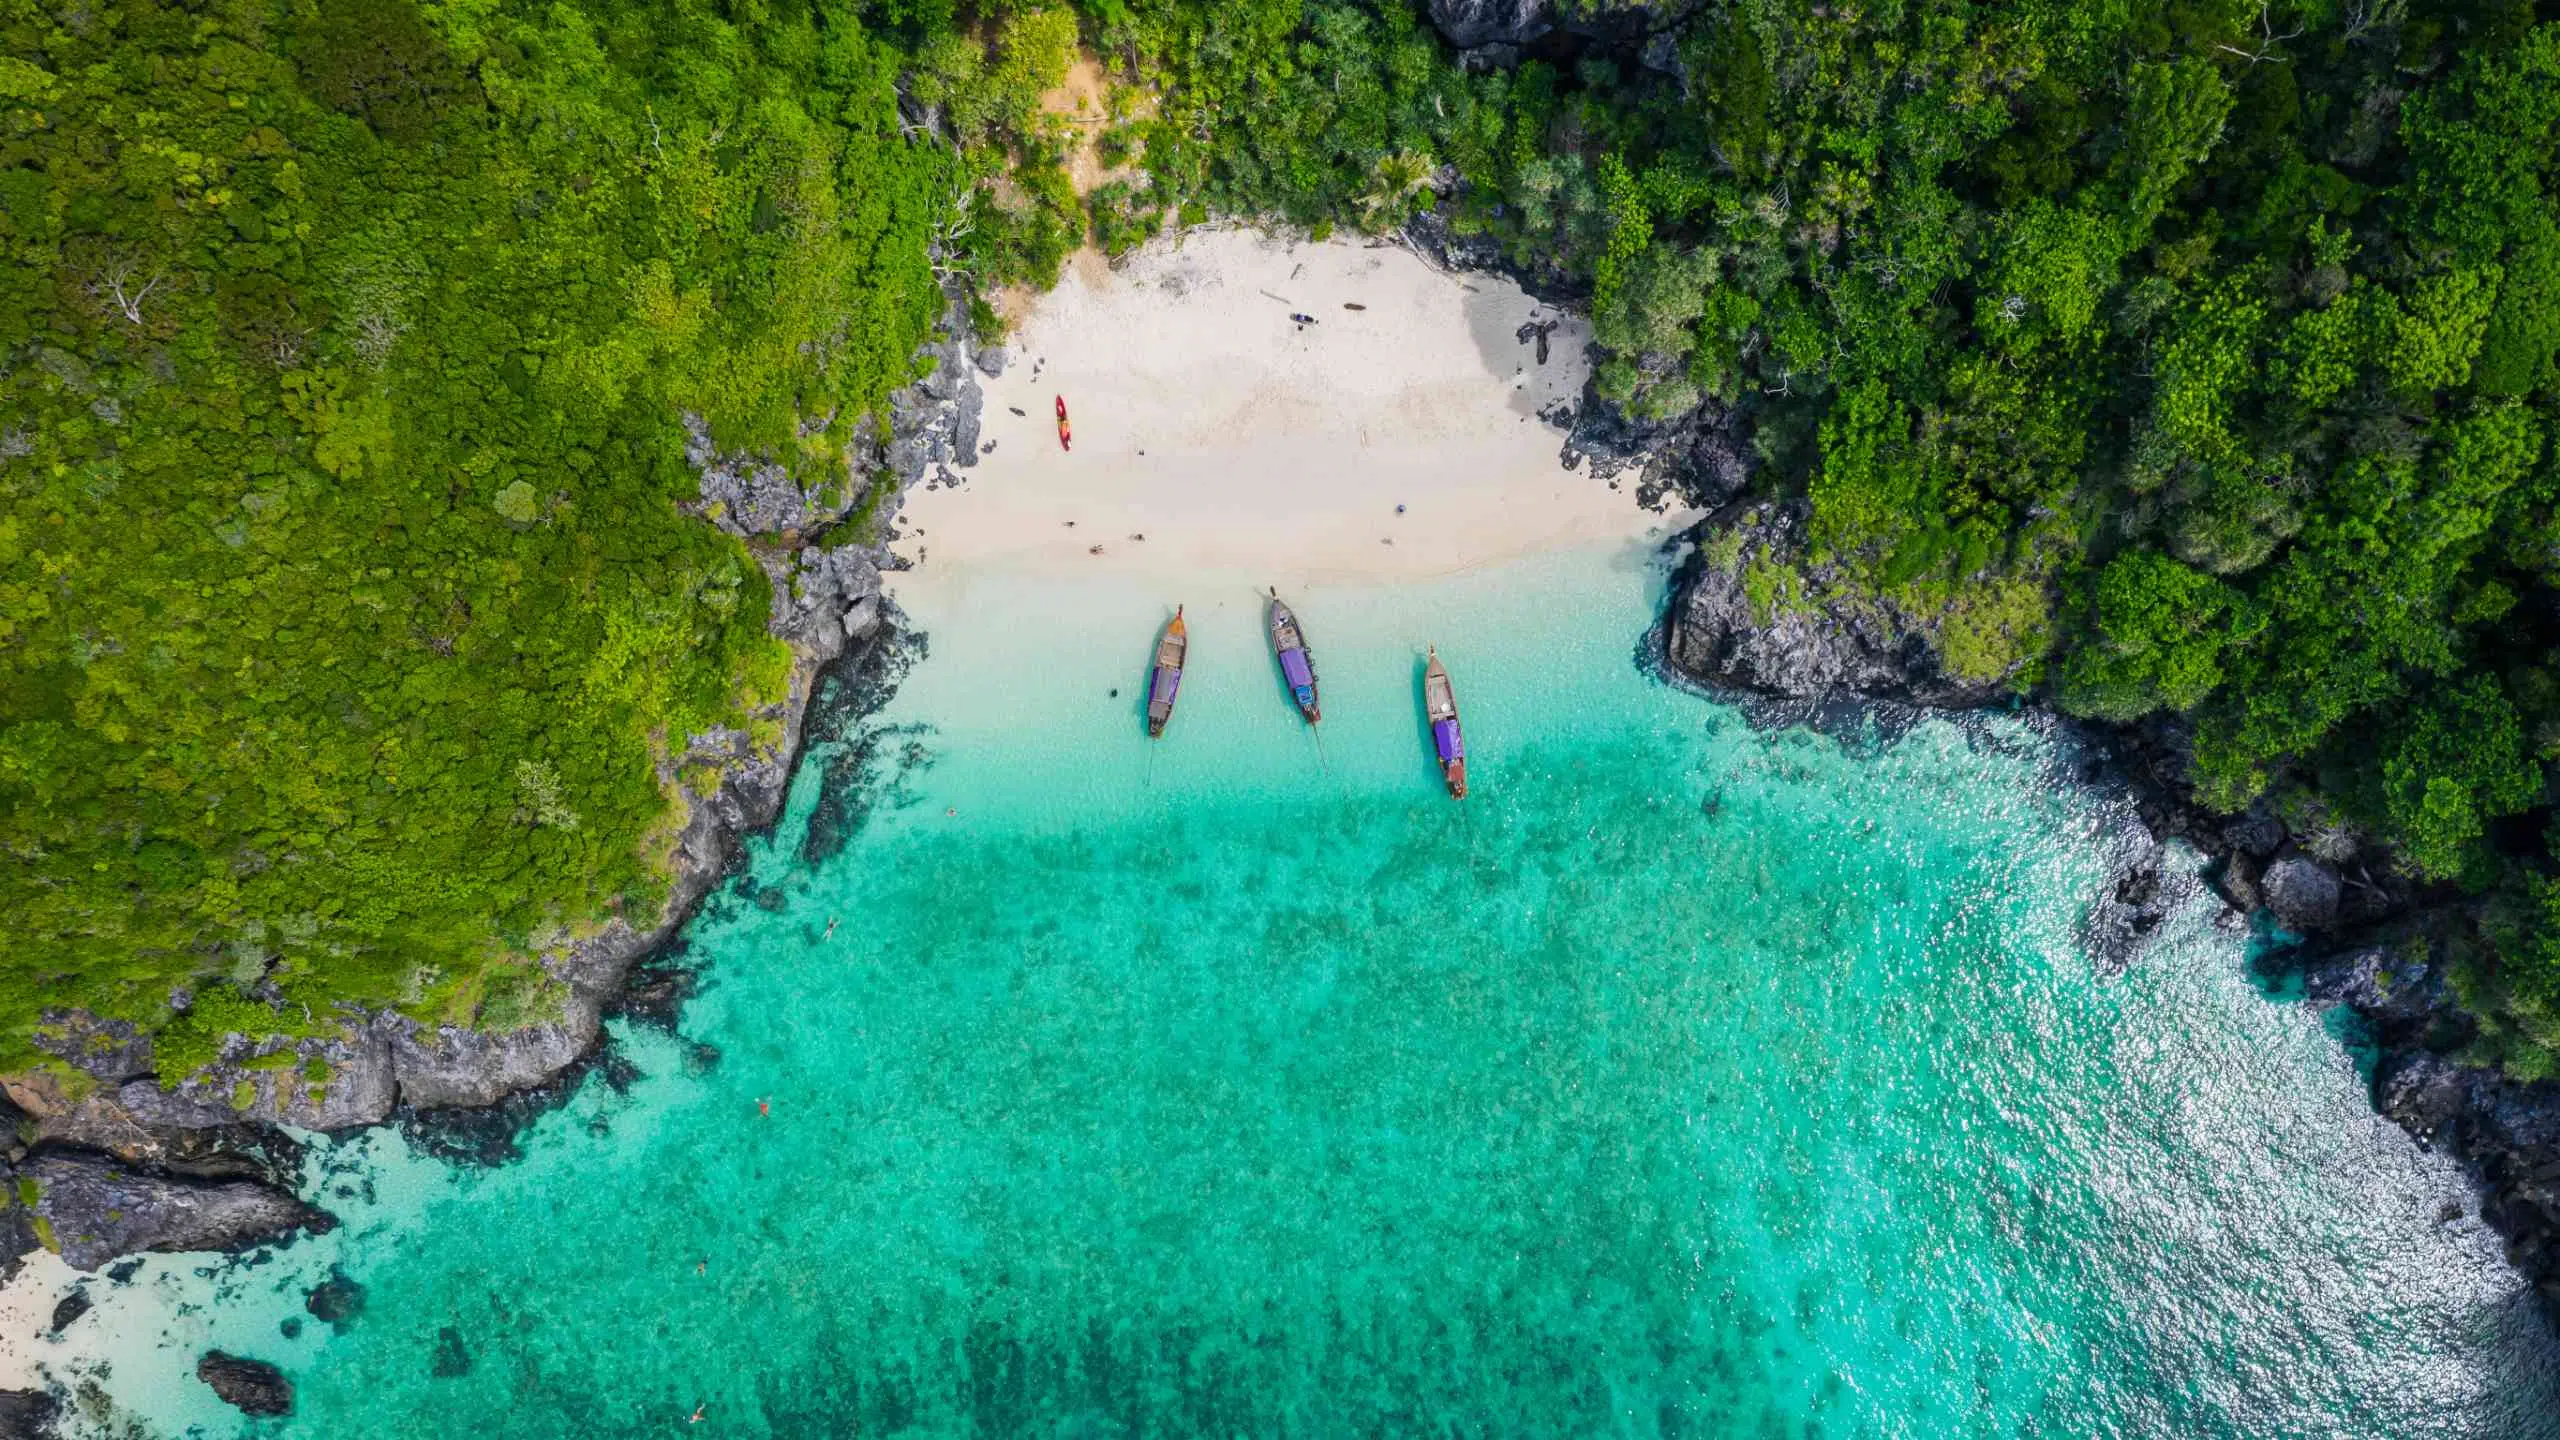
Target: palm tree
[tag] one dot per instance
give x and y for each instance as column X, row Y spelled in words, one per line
column 1393, row 183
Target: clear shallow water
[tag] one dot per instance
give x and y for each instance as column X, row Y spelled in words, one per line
column 1685, row 1080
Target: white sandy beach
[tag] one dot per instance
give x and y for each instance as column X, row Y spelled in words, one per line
column 1236, row 440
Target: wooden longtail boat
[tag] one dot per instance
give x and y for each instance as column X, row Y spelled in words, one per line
column 1296, row 665
column 1440, row 704
column 1167, row 678
column 1065, row 440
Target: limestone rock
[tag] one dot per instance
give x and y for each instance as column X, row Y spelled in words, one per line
column 1491, row 21
column 334, row 1083
column 2395, row 989
column 1799, row 631
column 862, row 618
column 745, row 495
column 447, row 1065
column 1470, row 23
column 2254, row 832
column 2302, row 893
column 935, row 420
column 2422, row 1093
column 99, row 1208
column 113, row 1051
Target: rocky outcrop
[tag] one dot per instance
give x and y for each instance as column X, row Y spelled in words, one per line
column 1703, row 458
column 2301, row 892
column 933, row 423
column 2507, row 1132
column 95, row 1208
column 1471, row 23
column 1751, row 614
column 1496, row 34
column 254, row 1387
column 827, row 602
column 28, row 1415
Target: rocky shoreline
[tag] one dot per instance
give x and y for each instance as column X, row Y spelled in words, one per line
column 2345, row 929
column 126, row 1167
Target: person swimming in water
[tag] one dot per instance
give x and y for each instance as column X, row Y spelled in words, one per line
column 696, row 1417
column 763, row 1106
column 831, row 927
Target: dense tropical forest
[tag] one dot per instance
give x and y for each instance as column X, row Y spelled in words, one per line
column 2195, row 358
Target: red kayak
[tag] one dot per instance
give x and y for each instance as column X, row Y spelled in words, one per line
column 1065, row 440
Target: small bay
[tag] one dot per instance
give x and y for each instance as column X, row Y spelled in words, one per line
column 1688, row 1078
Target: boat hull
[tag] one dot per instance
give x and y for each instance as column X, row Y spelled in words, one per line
column 1448, row 741
column 1164, row 682
column 1297, row 663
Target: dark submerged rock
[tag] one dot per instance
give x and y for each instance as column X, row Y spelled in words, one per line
column 655, row 995
column 336, row 1301
column 254, row 1387
column 452, row 1359
column 488, row 1135
column 2143, row 892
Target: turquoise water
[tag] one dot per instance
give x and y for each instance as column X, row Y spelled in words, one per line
column 1685, row 1080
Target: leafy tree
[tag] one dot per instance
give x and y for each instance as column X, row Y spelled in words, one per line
column 2157, row 634
column 2457, row 763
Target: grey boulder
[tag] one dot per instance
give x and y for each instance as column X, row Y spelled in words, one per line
column 2302, row 893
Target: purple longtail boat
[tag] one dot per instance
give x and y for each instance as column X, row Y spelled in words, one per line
column 1440, row 704
column 1296, row 665
column 1167, row 678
